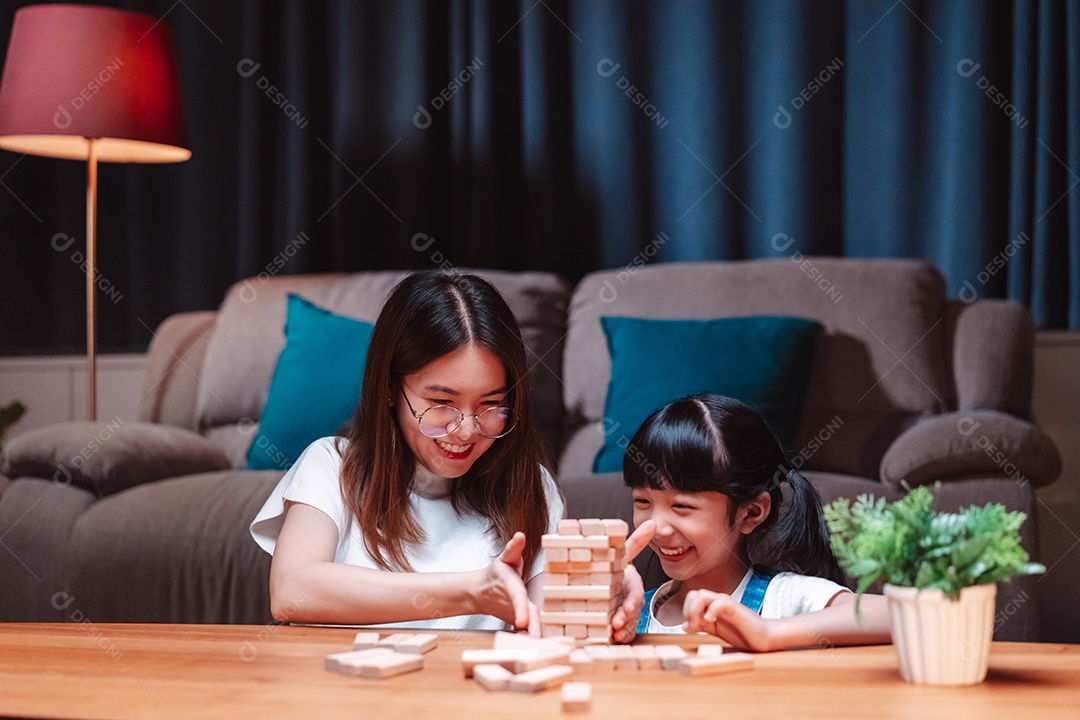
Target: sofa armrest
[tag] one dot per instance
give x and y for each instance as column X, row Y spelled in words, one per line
column 174, row 364
column 979, row 443
column 106, row 458
column 994, row 357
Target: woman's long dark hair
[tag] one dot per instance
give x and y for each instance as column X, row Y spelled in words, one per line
column 428, row 315
column 714, row 443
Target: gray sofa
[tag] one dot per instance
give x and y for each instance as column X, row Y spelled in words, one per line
column 147, row 522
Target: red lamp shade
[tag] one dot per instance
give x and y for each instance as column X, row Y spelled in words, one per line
column 77, row 72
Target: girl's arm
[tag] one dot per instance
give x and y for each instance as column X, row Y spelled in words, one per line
column 306, row 585
column 836, row 624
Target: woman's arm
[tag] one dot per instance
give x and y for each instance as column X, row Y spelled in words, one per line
column 307, row 586
column 836, row 624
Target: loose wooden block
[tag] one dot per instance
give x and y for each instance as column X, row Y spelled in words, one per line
column 515, row 660
column 574, row 618
column 390, row 664
column 625, row 657
column 568, row 527
column 556, row 578
column 616, row 527
column 647, row 657
column 580, row 554
column 365, row 640
column 556, row 555
column 540, row 679
column 576, row 697
column 711, row 650
column 582, row 662
column 670, row 655
column 592, row 526
column 581, row 541
column 418, row 644
column 576, row 631
column 491, row 677
column 333, row 662
column 392, row 640
column 716, row 664
column 579, row 592
column 603, row 657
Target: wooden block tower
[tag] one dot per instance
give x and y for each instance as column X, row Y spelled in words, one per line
column 583, row 569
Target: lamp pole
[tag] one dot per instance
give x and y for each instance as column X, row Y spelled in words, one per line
column 91, row 244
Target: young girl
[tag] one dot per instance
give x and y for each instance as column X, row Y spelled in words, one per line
column 709, row 472
column 430, row 512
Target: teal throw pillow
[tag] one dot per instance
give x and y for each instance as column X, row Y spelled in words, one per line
column 315, row 386
column 762, row 360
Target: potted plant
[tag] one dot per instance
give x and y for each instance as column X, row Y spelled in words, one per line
column 940, row 572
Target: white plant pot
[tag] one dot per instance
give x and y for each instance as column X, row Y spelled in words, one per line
column 941, row 641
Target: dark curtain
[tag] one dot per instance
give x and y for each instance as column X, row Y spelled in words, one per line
column 571, row 135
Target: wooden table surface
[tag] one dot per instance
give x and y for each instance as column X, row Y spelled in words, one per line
column 240, row 671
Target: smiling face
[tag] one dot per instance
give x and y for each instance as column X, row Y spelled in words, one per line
column 470, row 379
column 695, row 538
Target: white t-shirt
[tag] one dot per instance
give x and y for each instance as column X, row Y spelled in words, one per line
column 455, row 543
column 788, row 594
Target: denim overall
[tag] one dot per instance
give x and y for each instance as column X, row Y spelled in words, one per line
column 753, row 597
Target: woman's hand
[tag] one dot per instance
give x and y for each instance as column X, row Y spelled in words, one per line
column 632, row 597
column 501, row 592
column 720, row 615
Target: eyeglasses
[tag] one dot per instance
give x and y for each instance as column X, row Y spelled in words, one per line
column 441, row 420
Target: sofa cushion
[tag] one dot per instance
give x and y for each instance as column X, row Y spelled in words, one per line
column 315, row 386
column 975, row 444
column 761, row 360
column 879, row 363
column 243, row 350
column 175, row 551
column 106, row 458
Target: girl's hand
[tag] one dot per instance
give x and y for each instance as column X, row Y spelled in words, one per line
column 632, row 597
column 501, row 591
column 720, row 615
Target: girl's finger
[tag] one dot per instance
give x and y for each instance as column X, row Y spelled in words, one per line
column 640, row 538
column 511, row 554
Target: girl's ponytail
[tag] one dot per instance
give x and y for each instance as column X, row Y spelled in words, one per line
column 799, row 540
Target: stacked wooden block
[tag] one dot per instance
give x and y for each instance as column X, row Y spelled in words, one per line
column 583, row 575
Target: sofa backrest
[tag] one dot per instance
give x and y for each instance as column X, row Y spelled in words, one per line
column 878, row 365
column 242, row 350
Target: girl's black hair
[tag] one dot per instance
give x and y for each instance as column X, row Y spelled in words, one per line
column 709, row 442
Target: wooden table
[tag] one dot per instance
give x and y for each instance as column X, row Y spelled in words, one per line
column 239, row 671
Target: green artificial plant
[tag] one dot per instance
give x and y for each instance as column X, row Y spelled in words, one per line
column 908, row 544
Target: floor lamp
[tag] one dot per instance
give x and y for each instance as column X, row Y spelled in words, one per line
column 95, row 84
